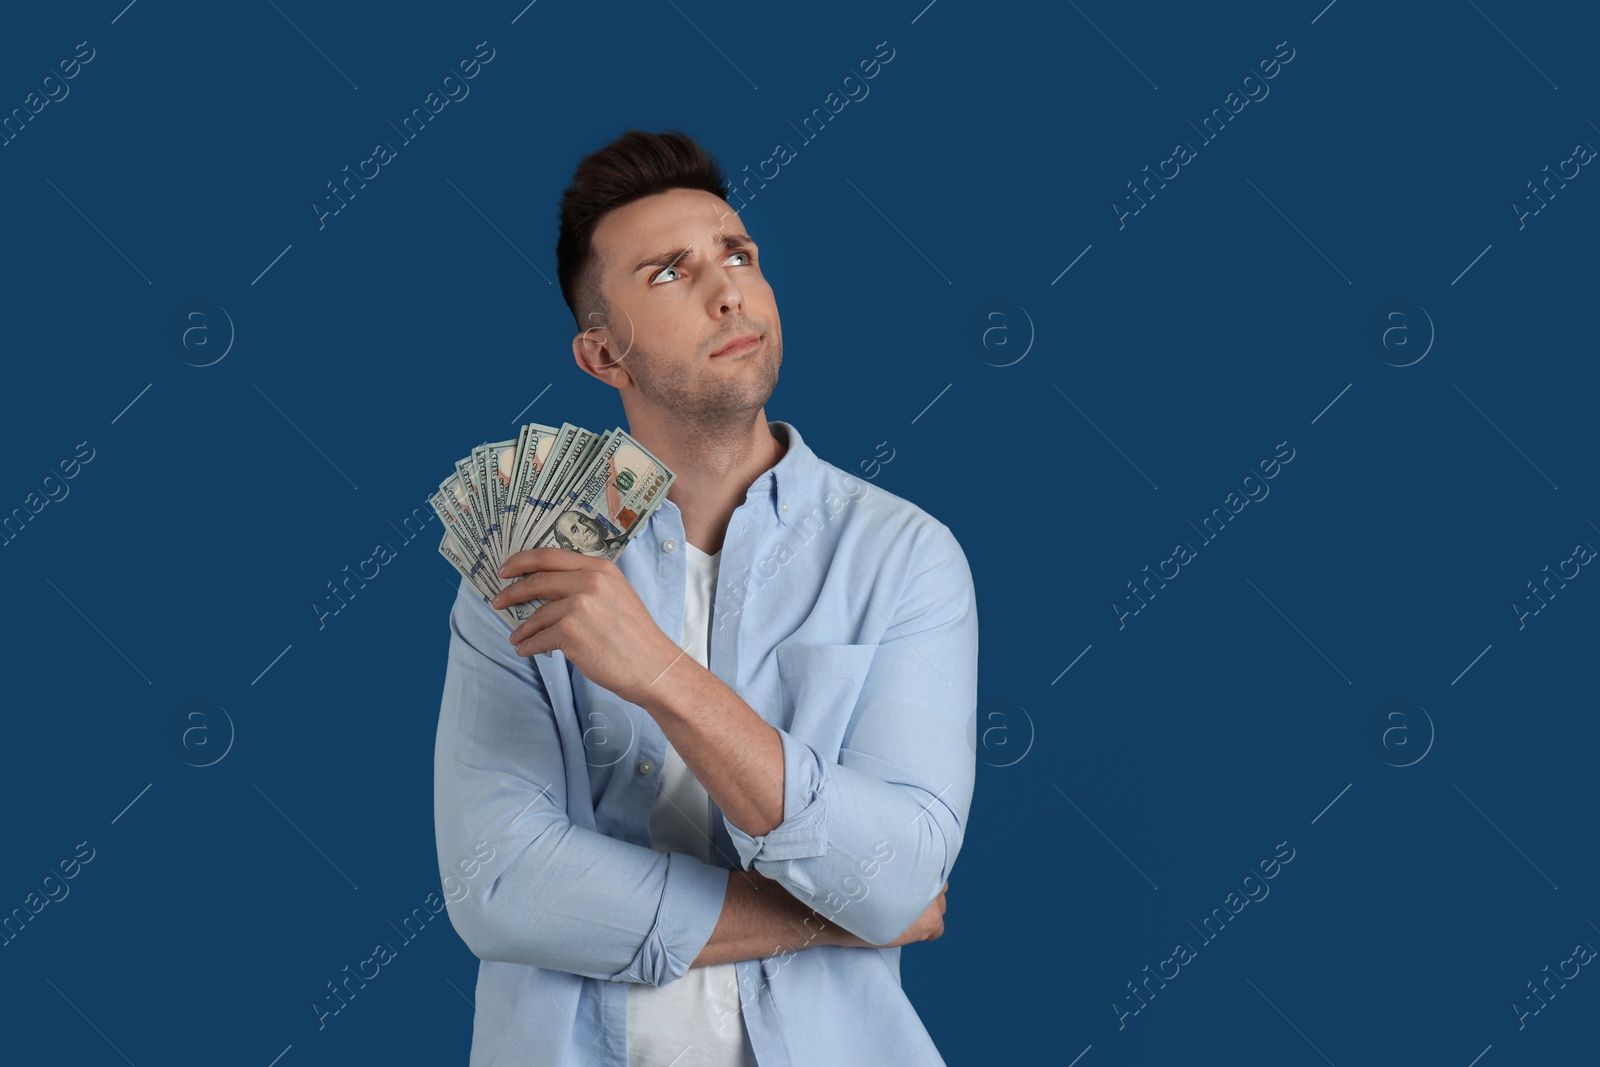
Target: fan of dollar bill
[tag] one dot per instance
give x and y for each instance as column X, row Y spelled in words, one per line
column 568, row 488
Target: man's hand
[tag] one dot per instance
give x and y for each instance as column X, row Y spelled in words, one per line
column 593, row 616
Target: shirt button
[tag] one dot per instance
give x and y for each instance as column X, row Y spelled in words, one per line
column 783, row 506
column 645, row 766
column 669, row 545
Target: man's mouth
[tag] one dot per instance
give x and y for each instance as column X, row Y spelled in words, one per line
column 738, row 346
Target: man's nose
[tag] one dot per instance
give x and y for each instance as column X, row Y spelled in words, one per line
column 730, row 297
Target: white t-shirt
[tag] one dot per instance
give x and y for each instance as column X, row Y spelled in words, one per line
column 696, row 1020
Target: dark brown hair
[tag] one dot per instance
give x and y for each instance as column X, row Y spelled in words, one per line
column 636, row 165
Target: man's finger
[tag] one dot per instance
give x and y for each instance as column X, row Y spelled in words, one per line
column 547, row 559
column 540, row 585
column 546, row 640
column 543, row 617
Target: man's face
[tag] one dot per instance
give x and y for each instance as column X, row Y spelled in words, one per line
column 683, row 279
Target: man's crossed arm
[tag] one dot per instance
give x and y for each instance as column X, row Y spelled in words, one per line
column 760, row 918
column 906, row 777
column 556, row 893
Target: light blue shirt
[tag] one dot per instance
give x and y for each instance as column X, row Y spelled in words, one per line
column 846, row 618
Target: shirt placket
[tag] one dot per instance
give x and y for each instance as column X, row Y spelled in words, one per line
column 749, row 530
column 661, row 541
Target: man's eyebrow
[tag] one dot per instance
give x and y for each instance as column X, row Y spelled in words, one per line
column 731, row 242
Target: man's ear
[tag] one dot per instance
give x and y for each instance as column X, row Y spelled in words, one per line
column 600, row 353
column 595, row 352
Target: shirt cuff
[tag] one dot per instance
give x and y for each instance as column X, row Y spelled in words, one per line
column 804, row 830
column 691, row 903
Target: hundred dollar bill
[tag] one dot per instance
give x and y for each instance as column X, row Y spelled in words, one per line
column 559, row 448
column 533, row 449
column 566, row 450
column 474, row 573
column 556, row 471
column 528, row 501
column 501, row 458
column 508, row 495
column 585, row 447
column 616, row 493
column 466, row 470
column 488, row 509
column 450, row 503
column 562, row 466
column 476, row 566
column 478, row 460
column 559, row 492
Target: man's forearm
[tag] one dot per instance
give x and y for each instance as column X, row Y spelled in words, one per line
column 732, row 751
column 760, row 918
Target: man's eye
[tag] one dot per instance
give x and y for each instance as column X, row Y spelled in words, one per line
column 659, row 274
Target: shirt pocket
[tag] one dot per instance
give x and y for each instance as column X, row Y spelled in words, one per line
column 819, row 686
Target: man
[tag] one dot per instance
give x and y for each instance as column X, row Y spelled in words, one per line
column 710, row 841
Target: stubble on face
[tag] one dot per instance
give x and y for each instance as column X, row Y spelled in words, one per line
column 713, row 398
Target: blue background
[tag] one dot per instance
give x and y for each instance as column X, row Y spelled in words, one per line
column 1070, row 425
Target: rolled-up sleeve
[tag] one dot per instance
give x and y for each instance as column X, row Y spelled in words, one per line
column 553, row 893
column 870, row 840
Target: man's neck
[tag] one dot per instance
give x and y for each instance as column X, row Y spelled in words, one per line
column 714, row 469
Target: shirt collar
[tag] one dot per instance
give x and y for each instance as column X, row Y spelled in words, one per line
column 787, row 482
